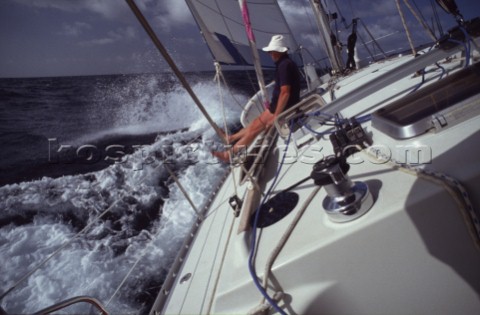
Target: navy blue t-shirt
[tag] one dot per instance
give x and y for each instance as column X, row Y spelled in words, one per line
column 286, row 73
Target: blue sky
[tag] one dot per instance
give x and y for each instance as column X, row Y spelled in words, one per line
column 90, row 37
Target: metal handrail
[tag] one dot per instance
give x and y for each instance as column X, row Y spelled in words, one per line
column 78, row 299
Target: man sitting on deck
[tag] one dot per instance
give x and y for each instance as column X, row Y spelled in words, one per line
column 286, row 93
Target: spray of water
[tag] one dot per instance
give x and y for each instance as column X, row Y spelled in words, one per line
column 148, row 219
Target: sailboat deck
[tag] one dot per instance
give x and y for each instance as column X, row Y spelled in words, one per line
column 371, row 265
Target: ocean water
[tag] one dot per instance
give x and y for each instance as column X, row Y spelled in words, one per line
column 83, row 178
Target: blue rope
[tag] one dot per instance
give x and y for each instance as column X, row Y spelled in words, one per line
column 361, row 120
column 364, row 119
column 443, row 70
column 467, row 49
column 468, row 41
column 420, row 84
column 321, row 134
column 251, row 264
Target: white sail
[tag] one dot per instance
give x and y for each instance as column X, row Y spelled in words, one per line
column 223, row 28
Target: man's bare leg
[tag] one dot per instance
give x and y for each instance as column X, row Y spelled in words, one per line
column 245, row 136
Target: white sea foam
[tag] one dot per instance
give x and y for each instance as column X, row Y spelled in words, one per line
column 146, row 108
column 40, row 216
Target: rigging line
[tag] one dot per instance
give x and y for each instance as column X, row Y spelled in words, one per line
column 402, row 17
column 219, row 76
column 229, row 89
column 143, row 254
column 252, row 179
column 126, row 276
column 424, row 19
column 253, row 86
column 437, row 19
column 373, row 39
column 365, row 46
column 342, row 18
column 351, row 7
column 316, row 61
column 132, row 268
column 184, row 192
column 224, row 18
column 421, row 21
column 170, row 62
column 58, row 250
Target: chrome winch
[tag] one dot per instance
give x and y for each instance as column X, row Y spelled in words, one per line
column 345, row 200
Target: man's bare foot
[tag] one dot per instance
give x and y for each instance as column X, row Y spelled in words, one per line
column 222, row 156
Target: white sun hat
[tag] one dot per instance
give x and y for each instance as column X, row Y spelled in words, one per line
column 277, row 43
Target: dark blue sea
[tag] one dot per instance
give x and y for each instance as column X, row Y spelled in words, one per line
column 82, row 167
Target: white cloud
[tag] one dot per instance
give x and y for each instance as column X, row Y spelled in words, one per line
column 75, row 29
column 120, row 34
column 168, row 14
column 108, row 8
column 177, row 11
column 168, row 11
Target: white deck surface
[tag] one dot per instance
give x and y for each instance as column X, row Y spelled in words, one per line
column 412, row 253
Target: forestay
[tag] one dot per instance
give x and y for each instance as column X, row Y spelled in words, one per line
column 222, row 27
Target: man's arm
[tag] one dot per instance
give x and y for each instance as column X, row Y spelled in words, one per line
column 281, row 103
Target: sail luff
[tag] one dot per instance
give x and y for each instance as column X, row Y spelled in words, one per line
column 253, row 46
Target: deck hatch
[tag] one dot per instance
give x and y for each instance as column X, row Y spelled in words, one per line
column 414, row 114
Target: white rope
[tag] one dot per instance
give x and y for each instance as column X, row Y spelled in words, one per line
column 458, row 192
column 455, row 189
column 285, row 237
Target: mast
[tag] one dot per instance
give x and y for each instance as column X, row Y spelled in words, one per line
column 323, row 24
